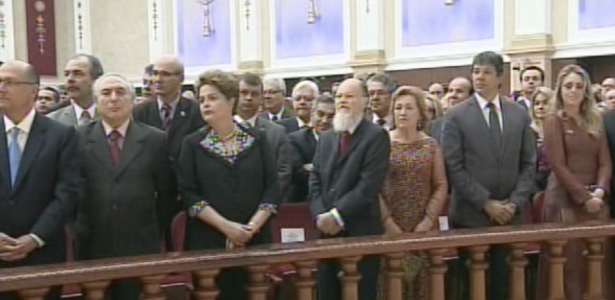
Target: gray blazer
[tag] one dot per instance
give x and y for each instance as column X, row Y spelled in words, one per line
column 279, row 142
column 120, row 212
column 66, row 116
column 478, row 171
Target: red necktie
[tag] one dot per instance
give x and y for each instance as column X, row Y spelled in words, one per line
column 345, row 140
column 114, row 147
column 166, row 114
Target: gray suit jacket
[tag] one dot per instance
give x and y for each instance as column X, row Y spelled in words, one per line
column 67, row 116
column 478, row 171
column 279, row 142
column 119, row 212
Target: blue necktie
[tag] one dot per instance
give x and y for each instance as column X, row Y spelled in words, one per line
column 14, row 154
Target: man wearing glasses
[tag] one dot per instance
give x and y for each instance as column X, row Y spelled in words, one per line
column 170, row 112
column 38, row 178
column 275, row 104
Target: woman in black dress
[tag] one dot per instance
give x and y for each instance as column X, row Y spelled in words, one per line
column 228, row 183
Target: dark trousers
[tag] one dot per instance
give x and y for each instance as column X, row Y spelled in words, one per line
column 497, row 275
column 124, row 289
column 232, row 284
column 329, row 285
column 55, row 293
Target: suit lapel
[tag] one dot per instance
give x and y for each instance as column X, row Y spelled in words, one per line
column 98, row 144
column 70, row 115
column 154, row 115
column 35, row 142
column 354, row 141
column 133, row 143
column 182, row 111
column 4, row 159
column 509, row 124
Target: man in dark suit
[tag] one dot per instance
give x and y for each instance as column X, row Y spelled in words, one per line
column 531, row 78
column 303, row 94
column 250, row 100
column 349, row 169
column 304, row 145
column 38, row 179
column 276, row 107
column 381, row 88
column 127, row 179
column 81, row 71
column 172, row 113
column 459, row 89
column 490, row 157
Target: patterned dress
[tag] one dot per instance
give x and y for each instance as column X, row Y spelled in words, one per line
column 415, row 187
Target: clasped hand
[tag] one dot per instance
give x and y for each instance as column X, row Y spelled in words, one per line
column 502, row 212
column 12, row 249
column 237, row 234
column 327, row 224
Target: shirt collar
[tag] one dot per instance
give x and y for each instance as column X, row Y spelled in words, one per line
column 25, row 125
column 279, row 114
column 172, row 104
column 251, row 121
column 387, row 120
column 482, row 102
column 301, row 123
column 79, row 110
column 121, row 129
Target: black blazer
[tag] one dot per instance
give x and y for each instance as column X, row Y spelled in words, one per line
column 609, row 127
column 290, row 124
column 351, row 183
column 478, row 170
column 120, row 211
column 304, row 148
column 235, row 190
column 186, row 119
column 436, row 129
column 45, row 192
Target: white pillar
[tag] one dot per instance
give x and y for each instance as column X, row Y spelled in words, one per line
column 82, row 24
column 369, row 25
column 156, row 18
column 250, row 33
column 532, row 17
column 7, row 33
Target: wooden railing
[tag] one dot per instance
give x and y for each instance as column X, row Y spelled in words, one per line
column 94, row 276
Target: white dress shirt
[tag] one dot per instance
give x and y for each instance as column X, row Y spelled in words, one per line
column 173, row 107
column 79, row 110
column 122, row 129
column 482, row 103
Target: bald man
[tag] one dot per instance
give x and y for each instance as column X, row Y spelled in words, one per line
column 349, row 168
column 171, row 112
column 38, row 178
column 459, row 89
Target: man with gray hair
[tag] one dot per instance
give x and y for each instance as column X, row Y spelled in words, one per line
column 274, row 94
column 127, row 181
column 81, row 71
column 303, row 97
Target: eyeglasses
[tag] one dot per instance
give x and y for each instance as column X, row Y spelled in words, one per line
column 11, row 83
column 164, row 73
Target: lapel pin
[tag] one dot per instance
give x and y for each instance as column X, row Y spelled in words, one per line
column 182, row 113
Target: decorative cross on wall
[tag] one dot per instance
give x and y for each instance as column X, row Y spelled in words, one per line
column 208, row 28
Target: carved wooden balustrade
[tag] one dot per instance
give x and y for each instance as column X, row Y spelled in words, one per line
column 94, row 276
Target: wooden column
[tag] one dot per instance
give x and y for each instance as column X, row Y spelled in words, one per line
column 595, row 261
column 306, row 282
column 33, row 294
column 478, row 266
column 95, row 290
column 556, row 270
column 437, row 269
column 518, row 262
column 259, row 286
column 152, row 289
column 350, row 277
column 206, row 284
column 394, row 275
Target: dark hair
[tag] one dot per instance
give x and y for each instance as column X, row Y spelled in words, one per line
column 225, row 82
column 56, row 92
column 323, row 99
column 490, row 58
column 386, row 80
column 32, row 75
column 537, row 68
column 251, row 79
column 149, row 69
column 96, row 68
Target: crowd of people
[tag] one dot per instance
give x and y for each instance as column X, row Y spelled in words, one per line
column 369, row 155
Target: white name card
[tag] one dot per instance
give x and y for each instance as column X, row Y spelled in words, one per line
column 292, row 235
column 443, row 221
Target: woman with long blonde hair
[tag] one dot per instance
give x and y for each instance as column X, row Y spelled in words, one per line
column 580, row 163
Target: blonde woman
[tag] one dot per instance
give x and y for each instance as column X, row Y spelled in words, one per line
column 415, row 188
column 579, row 158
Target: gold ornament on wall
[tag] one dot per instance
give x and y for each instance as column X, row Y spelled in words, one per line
column 208, row 28
column 41, row 30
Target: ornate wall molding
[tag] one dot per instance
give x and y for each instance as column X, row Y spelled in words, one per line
column 7, row 30
column 156, row 26
column 82, row 24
